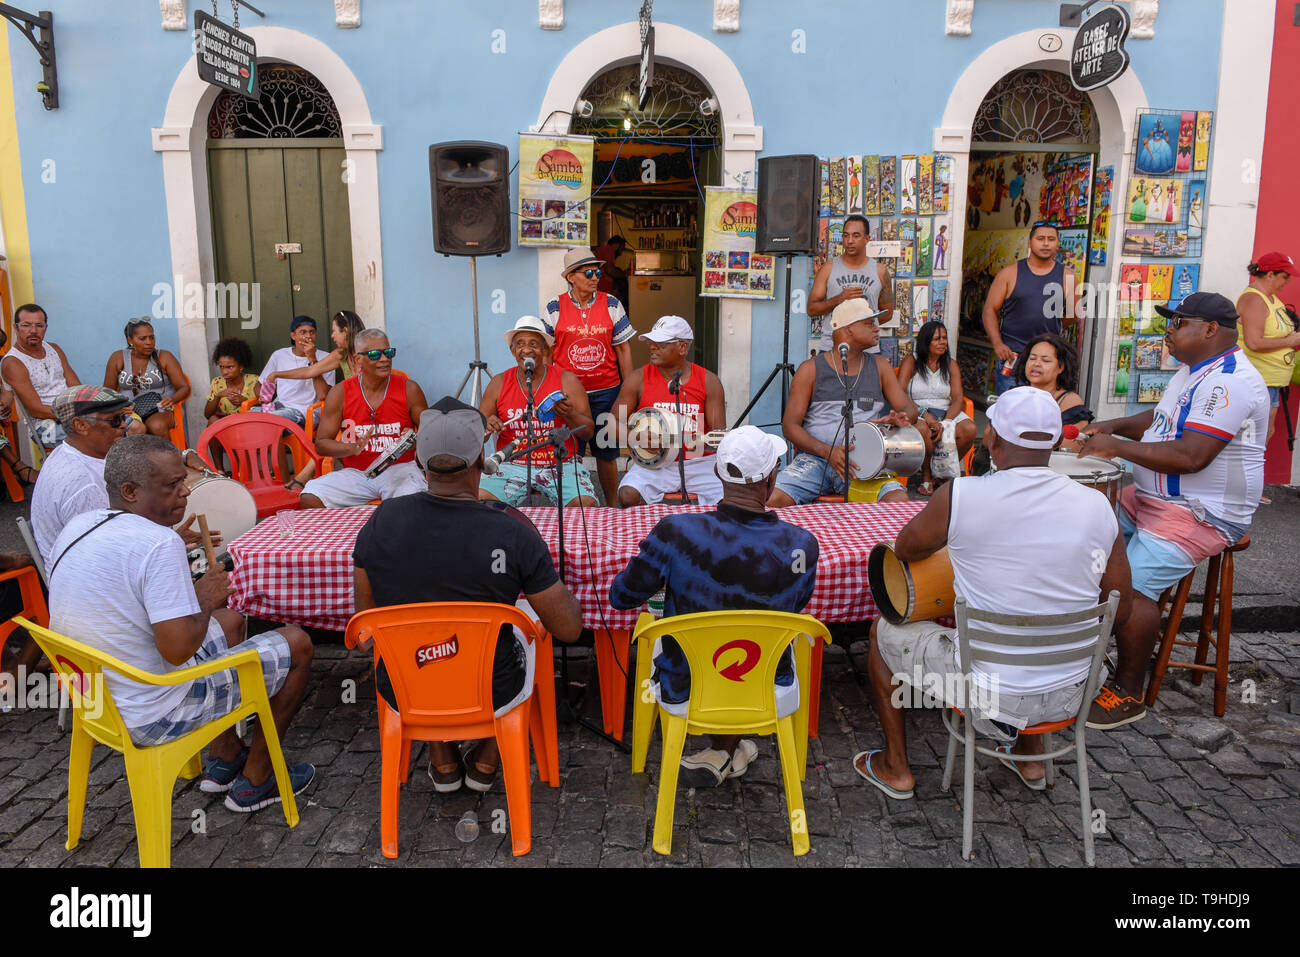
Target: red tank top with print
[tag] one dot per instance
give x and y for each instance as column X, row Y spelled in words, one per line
column 584, row 342
column 512, row 402
column 380, row 427
column 654, row 392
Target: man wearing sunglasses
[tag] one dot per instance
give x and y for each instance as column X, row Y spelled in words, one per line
column 368, row 413
column 1198, row 472
column 593, row 337
column 1032, row 296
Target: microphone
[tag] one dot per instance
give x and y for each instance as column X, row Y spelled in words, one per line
column 844, row 356
column 492, row 464
column 676, row 383
column 529, row 365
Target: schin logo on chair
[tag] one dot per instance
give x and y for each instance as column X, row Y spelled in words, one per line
column 438, row 651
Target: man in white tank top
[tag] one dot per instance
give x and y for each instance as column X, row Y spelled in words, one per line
column 37, row 371
column 1021, row 539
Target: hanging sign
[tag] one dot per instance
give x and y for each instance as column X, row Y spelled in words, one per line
column 227, row 58
column 554, row 188
column 646, row 75
column 731, row 267
column 1098, row 56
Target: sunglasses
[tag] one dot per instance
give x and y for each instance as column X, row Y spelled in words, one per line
column 1173, row 322
column 116, row 422
column 592, row 273
column 374, row 354
column 1045, row 222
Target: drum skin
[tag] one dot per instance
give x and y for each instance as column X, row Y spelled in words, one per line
column 915, row 591
column 227, row 505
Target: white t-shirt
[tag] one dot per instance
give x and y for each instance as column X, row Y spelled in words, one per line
column 1029, row 541
column 109, row 591
column 69, row 484
column 297, row 394
column 1224, row 397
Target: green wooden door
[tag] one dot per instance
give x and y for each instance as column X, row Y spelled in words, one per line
column 294, row 192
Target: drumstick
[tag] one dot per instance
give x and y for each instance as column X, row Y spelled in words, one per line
column 207, row 542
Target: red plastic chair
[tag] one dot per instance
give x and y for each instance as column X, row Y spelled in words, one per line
column 251, row 441
column 439, row 659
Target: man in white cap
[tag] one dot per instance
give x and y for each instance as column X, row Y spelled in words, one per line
column 593, row 340
column 1021, row 539
column 740, row 556
column 814, row 414
column 446, row 545
column 559, row 401
column 667, row 382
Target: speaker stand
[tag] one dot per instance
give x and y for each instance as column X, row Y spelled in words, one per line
column 478, row 370
column 784, row 367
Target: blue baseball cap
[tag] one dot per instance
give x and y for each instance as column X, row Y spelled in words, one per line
column 302, row 321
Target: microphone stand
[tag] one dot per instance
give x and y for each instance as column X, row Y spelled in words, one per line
column 848, row 421
column 675, row 387
column 528, row 436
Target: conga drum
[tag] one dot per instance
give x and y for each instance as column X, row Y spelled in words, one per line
column 910, row 591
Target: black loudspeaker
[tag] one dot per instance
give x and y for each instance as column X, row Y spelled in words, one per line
column 788, row 188
column 470, row 184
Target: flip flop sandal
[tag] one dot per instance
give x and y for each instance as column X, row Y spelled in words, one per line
column 1039, row 785
column 294, row 486
column 864, row 769
column 479, row 775
column 925, row 488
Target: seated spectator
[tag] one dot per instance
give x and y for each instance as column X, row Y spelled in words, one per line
column 293, row 397
column 22, row 471
column 505, row 404
column 1020, row 539
column 373, row 409
column 934, row 384
column 1049, row 363
column 343, row 330
column 127, row 590
column 402, row 556
column 150, row 376
column 739, row 556
column 37, row 372
column 234, row 386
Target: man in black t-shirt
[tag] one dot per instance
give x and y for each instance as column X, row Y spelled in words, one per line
column 443, row 544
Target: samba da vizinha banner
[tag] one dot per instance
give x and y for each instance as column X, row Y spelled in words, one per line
column 731, row 267
column 554, row 189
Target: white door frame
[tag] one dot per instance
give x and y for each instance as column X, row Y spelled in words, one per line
column 182, row 141
column 1116, row 105
column 741, row 142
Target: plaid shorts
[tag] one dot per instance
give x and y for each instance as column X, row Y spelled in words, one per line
column 215, row 695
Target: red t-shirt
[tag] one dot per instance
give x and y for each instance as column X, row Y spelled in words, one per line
column 379, row 428
column 654, row 392
column 513, row 400
column 584, row 342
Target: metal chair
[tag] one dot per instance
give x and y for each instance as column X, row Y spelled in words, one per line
column 1091, row 637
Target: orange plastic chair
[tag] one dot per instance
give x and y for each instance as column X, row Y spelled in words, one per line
column 29, row 587
column 251, row 441
column 439, row 658
column 177, row 434
column 968, row 460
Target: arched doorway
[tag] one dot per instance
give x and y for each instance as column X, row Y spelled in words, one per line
column 277, row 179
column 1034, row 144
column 651, row 165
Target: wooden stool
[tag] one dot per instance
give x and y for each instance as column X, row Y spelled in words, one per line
column 1218, row 584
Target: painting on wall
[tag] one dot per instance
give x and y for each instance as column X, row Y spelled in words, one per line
column 1156, row 151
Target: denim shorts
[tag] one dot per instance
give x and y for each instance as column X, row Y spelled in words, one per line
column 1274, row 395
column 809, row 476
column 601, row 402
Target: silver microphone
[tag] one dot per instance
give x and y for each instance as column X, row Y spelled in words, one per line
column 492, row 464
column 844, row 356
column 529, row 366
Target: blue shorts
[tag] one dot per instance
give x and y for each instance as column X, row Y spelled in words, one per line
column 1155, row 563
column 602, row 403
column 809, row 476
column 1274, row 395
column 1001, row 383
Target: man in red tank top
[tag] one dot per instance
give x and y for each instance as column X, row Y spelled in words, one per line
column 559, row 401
column 368, row 413
column 703, row 406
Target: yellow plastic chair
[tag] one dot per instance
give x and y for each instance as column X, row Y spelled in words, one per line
column 150, row 772
column 742, row 701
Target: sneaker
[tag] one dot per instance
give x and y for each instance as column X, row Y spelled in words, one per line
column 705, row 769
column 244, row 798
column 218, row 775
column 745, row 753
column 1115, row 708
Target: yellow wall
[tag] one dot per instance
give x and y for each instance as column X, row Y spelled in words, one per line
column 13, row 208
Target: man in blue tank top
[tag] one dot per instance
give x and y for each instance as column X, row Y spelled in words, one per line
column 1032, row 296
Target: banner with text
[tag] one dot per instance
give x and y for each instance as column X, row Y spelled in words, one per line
column 731, row 267
column 554, row 189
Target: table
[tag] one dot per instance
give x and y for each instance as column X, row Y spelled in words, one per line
column 306, row 579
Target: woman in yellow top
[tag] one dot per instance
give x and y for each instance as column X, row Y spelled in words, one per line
column 234, row 385
column 1264, row 330
column 343, row 330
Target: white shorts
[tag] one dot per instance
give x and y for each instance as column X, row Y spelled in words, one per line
column 653, row 484
column 347, row 487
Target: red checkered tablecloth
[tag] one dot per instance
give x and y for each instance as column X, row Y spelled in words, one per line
column 306, row 579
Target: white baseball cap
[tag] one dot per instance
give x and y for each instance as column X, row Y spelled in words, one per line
column 748, row 455
column 853, row 310
column 1026, row 410
column 669, row 328
column 529, row 324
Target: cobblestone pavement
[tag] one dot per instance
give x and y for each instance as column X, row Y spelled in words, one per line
column 1180, row 788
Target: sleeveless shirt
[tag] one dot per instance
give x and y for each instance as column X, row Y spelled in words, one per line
column 380, row 427
column 513, row 401
column 1276, row 366
column 1028, row 311
column 824, row 419
column 654, row 393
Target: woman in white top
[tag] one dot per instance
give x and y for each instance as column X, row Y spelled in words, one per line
column 932, row 380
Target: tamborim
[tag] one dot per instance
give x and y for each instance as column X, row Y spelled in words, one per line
column 404, row 443
column 1091, row 470
column 910, row 591
column 654, row 437
column 229, row 506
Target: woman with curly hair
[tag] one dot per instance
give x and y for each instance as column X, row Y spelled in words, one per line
column 231, row 357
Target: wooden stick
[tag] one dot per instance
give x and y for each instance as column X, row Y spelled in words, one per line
column 207, row 542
